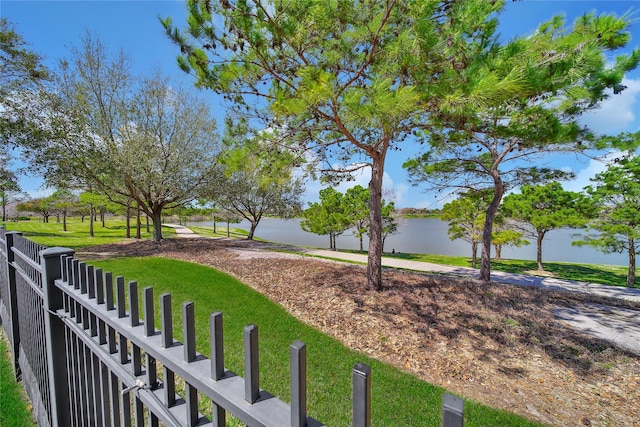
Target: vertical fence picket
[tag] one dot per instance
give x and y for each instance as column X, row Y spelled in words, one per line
column 452, row 411
column 108, row 284
column 298, row 362
column 251, row 372
column 99, row 280
column 14, row 331
column 134, row 311
column 114, row 391
column 216, row 344
column 51, row 261
column 361, row 395
column 167, row 341
column 189, row 337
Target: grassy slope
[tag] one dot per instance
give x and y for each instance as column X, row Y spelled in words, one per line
column 398, row 398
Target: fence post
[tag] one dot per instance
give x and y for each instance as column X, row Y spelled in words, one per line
column 13, row 301
column 452, row 411
column 361, row 378
column 51, row 262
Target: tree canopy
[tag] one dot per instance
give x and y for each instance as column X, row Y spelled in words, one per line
column 616, row 194
column 562, row 72
column 336, row 213
column 142, row 140
column 348, row 80
column 542, row 208
column 259, row 177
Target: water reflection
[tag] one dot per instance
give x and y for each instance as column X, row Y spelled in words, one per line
column 429, row 236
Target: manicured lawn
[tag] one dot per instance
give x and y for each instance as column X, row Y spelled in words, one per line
column 399, row 399
column 606, row 274
column 221, row 231
column 77, row 234
column 14, row 407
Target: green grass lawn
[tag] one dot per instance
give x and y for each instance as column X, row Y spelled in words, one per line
column 77, row 235
column 595, row 273
column 14, row 407
column 221, row 231
column 399, row 399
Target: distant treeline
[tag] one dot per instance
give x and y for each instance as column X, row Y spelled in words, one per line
column 417, row 213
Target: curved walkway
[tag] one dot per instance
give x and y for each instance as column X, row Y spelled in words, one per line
column 630, row 294
column 615, row 324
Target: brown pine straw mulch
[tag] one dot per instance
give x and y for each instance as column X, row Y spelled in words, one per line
column 496, row 344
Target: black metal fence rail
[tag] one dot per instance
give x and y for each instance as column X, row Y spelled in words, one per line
column 89, row 357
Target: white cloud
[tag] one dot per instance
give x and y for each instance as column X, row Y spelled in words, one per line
column 594, row 167
column 616, row 113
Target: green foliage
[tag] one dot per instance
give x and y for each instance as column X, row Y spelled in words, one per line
column 545, row 80
column 616, row 195
column 99, row 128
column 259, row 176
column 327, row 217
column 466, row 221
column 337, row 213
column 544, row 208
column 19, row 66
column 348, row 80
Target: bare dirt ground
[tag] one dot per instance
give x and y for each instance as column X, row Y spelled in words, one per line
column 495, row 344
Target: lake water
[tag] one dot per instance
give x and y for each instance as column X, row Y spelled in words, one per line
column 429, row 236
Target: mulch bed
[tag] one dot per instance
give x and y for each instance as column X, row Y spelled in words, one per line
column 496, row 344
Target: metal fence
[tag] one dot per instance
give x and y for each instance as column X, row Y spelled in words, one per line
column 88, row 357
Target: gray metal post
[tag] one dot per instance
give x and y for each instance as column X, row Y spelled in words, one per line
column 216, row 345
column 452, row 411
column 51, row 262
column 361, row 395
column 298, row 362
column 251, row 370
column 13, row 302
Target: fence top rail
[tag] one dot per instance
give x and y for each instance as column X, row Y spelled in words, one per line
column 28, row 248
column 27, row 259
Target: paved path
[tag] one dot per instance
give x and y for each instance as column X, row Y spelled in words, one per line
column 631, row 294
column 618, row 325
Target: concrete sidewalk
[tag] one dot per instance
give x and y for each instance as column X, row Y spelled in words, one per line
column 631, row 294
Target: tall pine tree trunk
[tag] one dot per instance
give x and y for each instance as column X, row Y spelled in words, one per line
column 539, row 250
column 492, row 209
column 374, row 258
column 631, row 275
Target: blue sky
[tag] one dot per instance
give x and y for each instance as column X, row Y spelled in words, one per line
column 53, row 27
